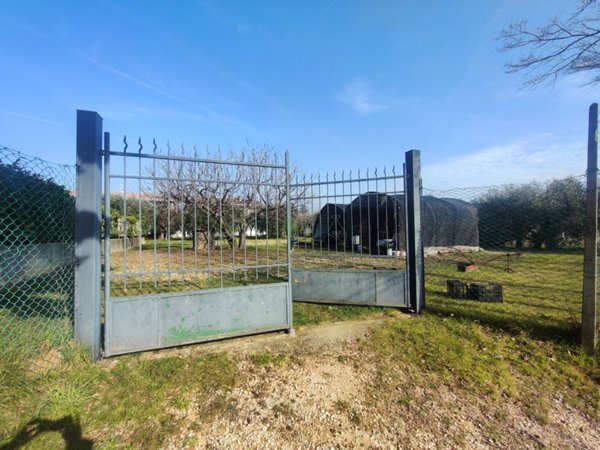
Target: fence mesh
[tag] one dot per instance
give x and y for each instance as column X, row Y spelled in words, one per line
column 37, row 241
column 528, row 255
column 514, row 250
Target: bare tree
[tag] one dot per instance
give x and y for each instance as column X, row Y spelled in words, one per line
column 209, row 199
column 557, row 48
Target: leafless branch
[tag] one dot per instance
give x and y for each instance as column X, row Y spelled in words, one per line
column 558, row 48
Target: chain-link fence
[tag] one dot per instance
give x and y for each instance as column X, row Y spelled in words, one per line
column 37, row 241
column 521, row 263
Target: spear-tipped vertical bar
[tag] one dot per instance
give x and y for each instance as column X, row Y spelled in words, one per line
column 351, row 184
column 277, row 206
column 377, row 223
column 318, row 209
column 169, row 214
column 209, row 235
column 369, row 214
column 106, row 218
column 220, row 232
column 181, row 207
column 245, row 226
column 154, row 212
column 267, row 228
column 125, row 214
column 312, row 209
column 335, row 224
column 233, row 238
column 182, row 212
column 288, row 207
column 392, row 200
column 399, row 213
column 344, row 230
column 139, row 224
column 360, row 215
column 257, row 187
column 195, row 237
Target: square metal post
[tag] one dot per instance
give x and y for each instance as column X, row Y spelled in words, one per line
column 88, row 213
column 590, row 259
column 414, row 242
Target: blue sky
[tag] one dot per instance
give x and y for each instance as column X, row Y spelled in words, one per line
column 340, row 84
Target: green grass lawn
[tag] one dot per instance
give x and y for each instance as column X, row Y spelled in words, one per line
column 188, row 244
column 522, row 350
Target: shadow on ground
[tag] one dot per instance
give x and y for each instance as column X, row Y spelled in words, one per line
column 498, row 316
column 69, row 429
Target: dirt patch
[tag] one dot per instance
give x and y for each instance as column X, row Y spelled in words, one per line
column 302, row 339
column 325, row 391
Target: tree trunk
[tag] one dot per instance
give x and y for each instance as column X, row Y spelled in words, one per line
column 242, row 239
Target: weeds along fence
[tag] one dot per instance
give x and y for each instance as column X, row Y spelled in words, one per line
column 527, row 250
column 37, row 240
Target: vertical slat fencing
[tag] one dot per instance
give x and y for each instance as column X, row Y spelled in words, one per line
column 195, row 246
column 350, row 238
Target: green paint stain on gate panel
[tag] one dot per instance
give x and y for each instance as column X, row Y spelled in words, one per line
column 184, row 334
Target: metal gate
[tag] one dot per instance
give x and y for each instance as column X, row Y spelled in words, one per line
column 357, row 238
column 194, row 248
column 200, row 248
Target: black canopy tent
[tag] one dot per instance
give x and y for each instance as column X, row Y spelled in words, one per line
column 375, row 223
column 329, row 230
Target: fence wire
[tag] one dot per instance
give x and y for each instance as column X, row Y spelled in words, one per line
column 521, row 245
column 37, row 242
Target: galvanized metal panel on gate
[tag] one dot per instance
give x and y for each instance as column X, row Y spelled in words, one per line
column 353, row 287
column 150, row 322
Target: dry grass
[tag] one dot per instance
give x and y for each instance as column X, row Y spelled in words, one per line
column 176, row 266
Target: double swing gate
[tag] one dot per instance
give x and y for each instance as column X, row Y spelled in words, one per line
column 175, row 248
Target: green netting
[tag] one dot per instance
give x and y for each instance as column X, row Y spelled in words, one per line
column 37, row 242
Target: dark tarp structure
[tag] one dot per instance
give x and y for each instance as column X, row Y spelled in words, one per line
column 329, row 228
column 375, row 222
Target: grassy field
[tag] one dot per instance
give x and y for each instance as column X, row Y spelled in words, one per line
column 520, row 352
column 185, row 268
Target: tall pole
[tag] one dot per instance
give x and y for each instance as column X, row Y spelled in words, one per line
column 414, row 243
column 590, row 264
column 88, row 205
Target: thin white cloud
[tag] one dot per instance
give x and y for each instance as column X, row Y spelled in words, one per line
column 324, row 10
column 539, row 158
column 193, row 52
column 35, row 118
column 359, row 95
column 207, row 114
